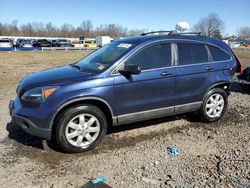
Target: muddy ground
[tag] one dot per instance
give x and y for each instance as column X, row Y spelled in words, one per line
column 133, row 155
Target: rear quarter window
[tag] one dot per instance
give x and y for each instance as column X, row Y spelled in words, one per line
column 218, row 54
column 192, row 53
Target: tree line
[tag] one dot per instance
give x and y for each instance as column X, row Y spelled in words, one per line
column 211, row 25
column 86, row 29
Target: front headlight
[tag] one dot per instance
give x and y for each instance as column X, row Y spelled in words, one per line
column 38, row 94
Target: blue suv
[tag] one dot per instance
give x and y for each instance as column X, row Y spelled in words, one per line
column 128, row 80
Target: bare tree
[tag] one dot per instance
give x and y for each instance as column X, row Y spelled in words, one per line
column 38, row 29
column 2, row 29
column 113, row 30
column 243, row 33
column 135, row 32
column 50, row 30
column 217, row 34
column 209, row 25
column 27, row 30
column 66, row 30
column 85, row 29
column 12, row 28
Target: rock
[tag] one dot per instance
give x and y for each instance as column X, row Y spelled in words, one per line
column 170, row 183
column 144, row 174
column 149, row 181
column 237, row 152
column 156, row 163
column 144, row 168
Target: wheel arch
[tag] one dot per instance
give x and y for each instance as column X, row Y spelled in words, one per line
column 223, row 85
column 100, row 103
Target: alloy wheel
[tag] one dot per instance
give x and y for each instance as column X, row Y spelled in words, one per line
column 215, row 105
column 82, row 130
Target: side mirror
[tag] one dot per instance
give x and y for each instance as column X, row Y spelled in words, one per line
column 130, row 69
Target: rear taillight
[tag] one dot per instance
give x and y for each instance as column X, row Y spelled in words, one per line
column 241, row 69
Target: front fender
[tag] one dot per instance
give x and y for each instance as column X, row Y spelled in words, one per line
column 79, row 99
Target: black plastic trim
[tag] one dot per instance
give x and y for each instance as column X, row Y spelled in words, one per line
column 156, row 113
column 30, row 128
column 27, row 125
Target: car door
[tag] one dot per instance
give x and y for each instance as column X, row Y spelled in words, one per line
column 152, row 92
column 195, row 74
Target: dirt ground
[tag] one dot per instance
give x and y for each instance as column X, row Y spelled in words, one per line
column 133, row 155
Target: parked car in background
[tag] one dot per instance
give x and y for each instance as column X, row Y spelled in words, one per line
column 128, row 80
column 42, row 43
column 26, row 44
column 6, row 43
column 90, row 43
column 54, row 43
column 18, row 42
column 234, row 44
column 86, row 42
column 62, row 43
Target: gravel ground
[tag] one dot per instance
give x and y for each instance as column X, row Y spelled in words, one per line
column 135, row 155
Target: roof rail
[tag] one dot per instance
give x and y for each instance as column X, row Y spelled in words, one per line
column 172, row 32
column 155, row 32
column 190, row 33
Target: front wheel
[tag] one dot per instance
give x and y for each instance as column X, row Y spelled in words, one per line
column 214, row 105
column 80, row 128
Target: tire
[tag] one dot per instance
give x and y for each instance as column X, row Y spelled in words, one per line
column 214, row 105
column 80, row 128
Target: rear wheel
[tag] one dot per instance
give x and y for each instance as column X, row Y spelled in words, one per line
column 80, row 128
column 214, row 105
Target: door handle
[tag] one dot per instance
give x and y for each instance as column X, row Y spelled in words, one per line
column 166, row 73
column 209, row 68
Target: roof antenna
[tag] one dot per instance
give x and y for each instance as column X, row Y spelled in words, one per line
column 182, row 26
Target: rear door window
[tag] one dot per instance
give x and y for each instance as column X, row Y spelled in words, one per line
column 218, row 54
column 190, row 53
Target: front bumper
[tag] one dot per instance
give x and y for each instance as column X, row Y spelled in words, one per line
column 26, row 124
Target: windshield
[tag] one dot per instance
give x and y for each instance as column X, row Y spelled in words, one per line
column 103, row 58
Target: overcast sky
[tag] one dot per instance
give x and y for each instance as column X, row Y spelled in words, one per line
column 134, row 14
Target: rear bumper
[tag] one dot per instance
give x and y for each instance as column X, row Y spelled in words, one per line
column 244, row 77
column 240, row 81
column 27, row 125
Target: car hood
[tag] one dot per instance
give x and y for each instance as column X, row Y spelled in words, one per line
column 52, row 77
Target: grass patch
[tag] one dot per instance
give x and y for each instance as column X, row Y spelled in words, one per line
column 244, row 57
column 16, row 65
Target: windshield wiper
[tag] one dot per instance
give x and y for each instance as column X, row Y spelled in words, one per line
column 75, row 66
column 79, row 68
